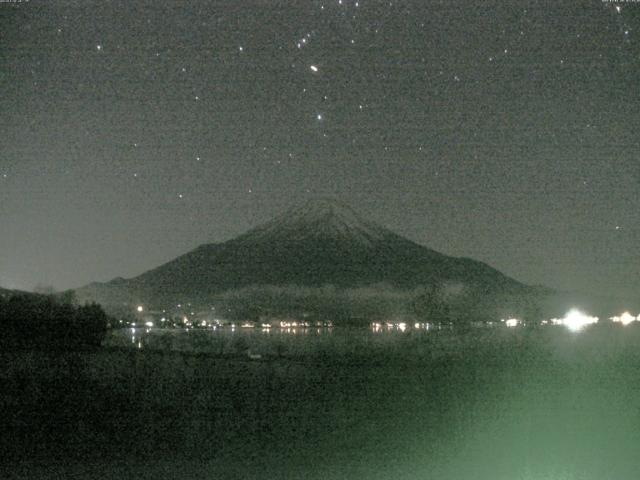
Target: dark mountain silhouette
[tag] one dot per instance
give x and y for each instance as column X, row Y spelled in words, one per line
column 323, row 242
column 7, row 293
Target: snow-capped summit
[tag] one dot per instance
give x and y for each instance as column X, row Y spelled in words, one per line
column 323, row 218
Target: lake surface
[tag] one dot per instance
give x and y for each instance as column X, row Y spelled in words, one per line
column 506, row 404
column 277, row 341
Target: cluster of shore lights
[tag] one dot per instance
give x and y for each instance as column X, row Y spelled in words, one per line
column 400, row 326
column 625, row 319
column 511, row 322
column 574, row 320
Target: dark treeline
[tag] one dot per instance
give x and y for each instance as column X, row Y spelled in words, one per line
column 49, row 322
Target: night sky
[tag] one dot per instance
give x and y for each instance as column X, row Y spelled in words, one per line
column 504, row 131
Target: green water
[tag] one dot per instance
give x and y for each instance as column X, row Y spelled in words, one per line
column 485, row 405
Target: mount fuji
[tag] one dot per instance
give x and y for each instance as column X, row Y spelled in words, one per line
column 322, row 242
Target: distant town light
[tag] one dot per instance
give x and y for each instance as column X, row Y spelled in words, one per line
column 575, row 320
column 511, row 322
column 140, row 308
column 149, row 324
column 625, row 319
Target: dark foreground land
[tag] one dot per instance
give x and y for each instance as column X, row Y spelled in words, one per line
column 546, row 404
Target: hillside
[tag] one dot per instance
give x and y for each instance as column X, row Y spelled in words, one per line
column 320, row 243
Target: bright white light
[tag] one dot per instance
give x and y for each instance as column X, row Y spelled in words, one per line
column 313, row 68
column 625, row 319
column 575, row 320
column 402, row 326
column 149, row 324
column 511, row 322
column 140, row 308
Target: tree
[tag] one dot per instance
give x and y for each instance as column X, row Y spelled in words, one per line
column 44, row 322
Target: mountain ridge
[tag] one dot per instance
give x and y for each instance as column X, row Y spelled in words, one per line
column 323, row 242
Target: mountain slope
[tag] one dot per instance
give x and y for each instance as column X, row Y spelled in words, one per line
column 322, row 242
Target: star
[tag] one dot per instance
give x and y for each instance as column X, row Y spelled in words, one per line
column 319, row 116
column 99, row 48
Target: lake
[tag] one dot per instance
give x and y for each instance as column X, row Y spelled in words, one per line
column 274, row 341
column 498, row 404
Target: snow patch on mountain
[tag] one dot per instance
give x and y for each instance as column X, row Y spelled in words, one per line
column 320, row 218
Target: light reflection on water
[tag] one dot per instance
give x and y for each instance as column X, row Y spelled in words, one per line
column 233, row 338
